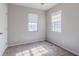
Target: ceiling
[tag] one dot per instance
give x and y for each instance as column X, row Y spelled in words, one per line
column 39, row 6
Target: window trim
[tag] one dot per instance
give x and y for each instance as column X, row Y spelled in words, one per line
column 30, row 22
column 54, row 14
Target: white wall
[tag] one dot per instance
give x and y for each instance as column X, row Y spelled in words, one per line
column 17, row 25
column 68, row 38
column 3, row 28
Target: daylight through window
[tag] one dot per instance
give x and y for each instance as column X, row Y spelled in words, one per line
column 56, row 22
column 32, row 22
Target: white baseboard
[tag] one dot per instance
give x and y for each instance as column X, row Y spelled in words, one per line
column 25, row 43
column 64, row 48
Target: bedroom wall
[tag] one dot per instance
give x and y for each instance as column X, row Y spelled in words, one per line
column 3, row 27
column 17, row 25
column 68, row 38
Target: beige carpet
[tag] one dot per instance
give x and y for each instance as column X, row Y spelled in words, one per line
column 37, row 49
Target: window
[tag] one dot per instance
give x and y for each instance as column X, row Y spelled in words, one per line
column 56, row 22
column 32, row 22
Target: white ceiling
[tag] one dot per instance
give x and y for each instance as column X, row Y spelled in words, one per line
column 39, row 6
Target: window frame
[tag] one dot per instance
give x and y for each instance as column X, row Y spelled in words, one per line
column 56, row 14
column 33, row 22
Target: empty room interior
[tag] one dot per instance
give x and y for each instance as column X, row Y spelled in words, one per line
column 39, row 29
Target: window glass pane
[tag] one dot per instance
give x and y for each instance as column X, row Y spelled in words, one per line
column 33, row 18
column 32, row 22
column 32, row 26
column 56, row 22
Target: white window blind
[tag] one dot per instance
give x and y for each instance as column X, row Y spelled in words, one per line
column 56, row 21
column 32, row 22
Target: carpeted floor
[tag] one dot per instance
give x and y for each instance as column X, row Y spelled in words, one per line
column 43, row 48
